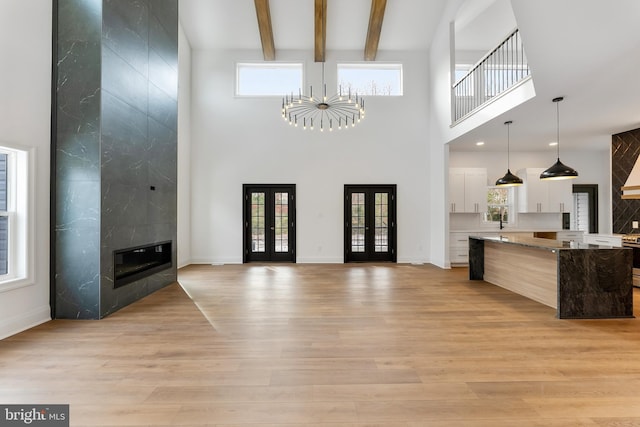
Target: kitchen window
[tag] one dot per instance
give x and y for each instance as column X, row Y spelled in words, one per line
column 15, row 196
column 499, row 204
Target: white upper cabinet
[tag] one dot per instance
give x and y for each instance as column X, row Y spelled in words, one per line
column 456, row 190
column 468, row 190
column 536, row 195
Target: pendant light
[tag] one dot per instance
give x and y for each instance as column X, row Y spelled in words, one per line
column 509, row 179
column 558, row 170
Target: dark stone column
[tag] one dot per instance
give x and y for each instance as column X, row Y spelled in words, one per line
column 595, row 283
column 476, row 259
column 115, row 144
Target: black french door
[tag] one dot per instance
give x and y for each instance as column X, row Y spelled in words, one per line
column 370, row 223
column 269, row 223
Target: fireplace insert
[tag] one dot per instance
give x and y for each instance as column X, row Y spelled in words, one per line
column 135, row 263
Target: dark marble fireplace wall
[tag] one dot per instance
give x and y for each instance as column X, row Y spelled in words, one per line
column 625, row 149
column 115, row 147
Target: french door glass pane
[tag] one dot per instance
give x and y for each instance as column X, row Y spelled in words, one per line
column 281, row 222
column 4, row 245
column 381, row 222
column 3, row 181
column 257, row 222
column 4, row 220
column 357, row 222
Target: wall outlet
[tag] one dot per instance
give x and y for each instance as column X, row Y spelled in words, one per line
column 634, row 224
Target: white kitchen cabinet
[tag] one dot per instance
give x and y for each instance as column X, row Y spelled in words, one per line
column 459, row 245
column 536, row 195
column 459, row 248
column 467, row 190
column 603, row 239
column 570, row 236
column 456, row 190
column 560, row 195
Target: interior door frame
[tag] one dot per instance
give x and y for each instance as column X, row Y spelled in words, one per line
column 592, row 191
column 289, row 256
column 392, row 207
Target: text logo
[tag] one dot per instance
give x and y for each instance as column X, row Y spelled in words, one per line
column 34, row 415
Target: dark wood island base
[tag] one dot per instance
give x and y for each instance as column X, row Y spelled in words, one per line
column 580, row 281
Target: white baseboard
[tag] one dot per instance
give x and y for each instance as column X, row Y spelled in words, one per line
column 318, row 260
column 24, row 321
column 216, row 261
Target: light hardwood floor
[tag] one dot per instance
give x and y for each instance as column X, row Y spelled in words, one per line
column 330, row 345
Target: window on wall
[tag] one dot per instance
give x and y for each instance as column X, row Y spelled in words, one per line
column 370, row 79
column 499, row 204
column 14, row 215
column 259, row 79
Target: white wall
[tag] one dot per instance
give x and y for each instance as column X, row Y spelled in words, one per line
column 184, row 149
column 592, row 166
column 239, row 141
column 25, row 108
column 440, row 67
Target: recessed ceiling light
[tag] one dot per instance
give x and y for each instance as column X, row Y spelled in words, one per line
column 553, row 144
column 479, row 143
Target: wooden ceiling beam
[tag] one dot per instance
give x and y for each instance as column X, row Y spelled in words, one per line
column 375, row 28
column 266, row 31
column 320, row 29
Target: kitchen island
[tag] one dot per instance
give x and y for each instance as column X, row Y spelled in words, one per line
column 579, row 280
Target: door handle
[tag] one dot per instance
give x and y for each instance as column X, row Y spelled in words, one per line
column 272, row 228
column 366, row 228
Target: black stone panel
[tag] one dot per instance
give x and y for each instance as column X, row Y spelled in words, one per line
column 126, row 32
column 166, row 12
column 162, row 43
column 77, row 273
column 124, row 142
column 78, row 86
column 122, row 123
column 76, row 210
column 78, row 156
column 476, row 259
column 124, row 204
column 79, row 20
column 115, row 139
column 162, row 207
column 123, row 81
column 124, row 162
column 163, row 154
column 163, row 76
column 595, row 283
column 80, row 205
column 163, row 108
column 625, row 150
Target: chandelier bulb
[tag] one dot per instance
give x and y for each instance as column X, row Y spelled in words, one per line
column 341, row 106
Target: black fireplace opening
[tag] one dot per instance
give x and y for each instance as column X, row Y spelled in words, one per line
column 133, row 264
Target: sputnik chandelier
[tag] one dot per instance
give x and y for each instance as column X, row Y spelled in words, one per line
column 336, row 112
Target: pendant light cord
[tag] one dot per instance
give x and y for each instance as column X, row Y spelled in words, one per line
column 324, row 86
column 508, row 146
column 558, row 127
column 557, row 101
column 508, row 123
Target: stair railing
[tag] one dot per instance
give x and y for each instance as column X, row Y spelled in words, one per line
column 498, row 71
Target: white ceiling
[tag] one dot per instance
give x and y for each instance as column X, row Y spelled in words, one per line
column 232, row 24
column 585, row 50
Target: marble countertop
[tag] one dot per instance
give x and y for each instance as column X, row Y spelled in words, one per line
column 546, row 244
column 481, row 231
